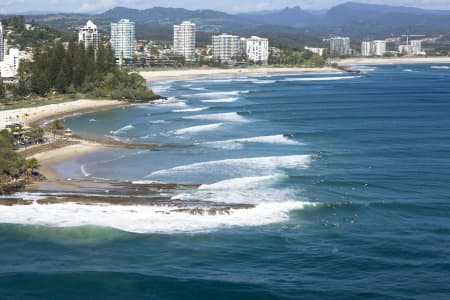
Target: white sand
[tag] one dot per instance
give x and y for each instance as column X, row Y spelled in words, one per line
column 48, row 159
column 33, row 114
column 210, row 72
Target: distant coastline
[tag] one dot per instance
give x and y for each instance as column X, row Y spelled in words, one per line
column 215, row 72
column 392, row 60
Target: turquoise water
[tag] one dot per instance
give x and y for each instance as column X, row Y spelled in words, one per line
column 348, row 174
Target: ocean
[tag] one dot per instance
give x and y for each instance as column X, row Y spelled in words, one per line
column 346, row 177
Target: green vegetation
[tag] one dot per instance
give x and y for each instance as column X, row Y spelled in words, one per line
column 296, row 57
column 11, row 163
column 77, row 71
column 31, row 36
column 14, row 168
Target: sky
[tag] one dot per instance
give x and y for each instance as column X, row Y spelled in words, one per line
column 231, row 6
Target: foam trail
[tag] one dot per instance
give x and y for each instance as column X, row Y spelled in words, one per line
column 240, row 167
column 145, row 219
column 190, row 110
column 196, row 129
column 242, row 182
column 83, row 170
column 263, row 81
column 441, row 67
column 238, row 143
column 123, row 129
column 322, row 78
column 217, row 94
column 233, row 117
column 223, row 100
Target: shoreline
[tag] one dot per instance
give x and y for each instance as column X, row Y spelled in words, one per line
column 48, row 159
column 392, row 60
column 215, row 72
column 34, row 115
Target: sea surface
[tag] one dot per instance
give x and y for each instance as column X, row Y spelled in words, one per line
column 348, row 173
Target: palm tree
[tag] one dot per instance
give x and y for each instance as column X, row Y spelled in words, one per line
column 32, row 164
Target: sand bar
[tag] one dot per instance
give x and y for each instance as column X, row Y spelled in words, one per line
column 211, row 72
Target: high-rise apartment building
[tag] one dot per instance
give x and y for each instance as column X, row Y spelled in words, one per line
column 184, row 38
column 2, row 42
column 340, row 46
column 226, row 46
column 122, row 39
column 257, row 49
column 89, row 35
column 373, row 48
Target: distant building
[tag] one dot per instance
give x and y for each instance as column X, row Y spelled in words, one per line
column 373, row 48
column 339, row 46
column 122, row 39
column 2, row 42
column 413, row 48
column 184, row 38
column 225, row 47
column 257, row 49
column 366, row 48
column 10, row 64
column 318, row 51
column 89, row 35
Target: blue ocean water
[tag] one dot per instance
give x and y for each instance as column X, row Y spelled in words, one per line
column 348, row 174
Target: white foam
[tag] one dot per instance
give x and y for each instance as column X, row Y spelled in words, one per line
column 198, row 89
column 83, row 170
column 231, row 117
column 196, row 129
column 190, row 110
column 92, row 120
column 263, row 81
column 250, row 190
column 331, row 78
column 409, row 70
column 217, row 94
column 238, row 143
column 120, row 130
column 242, row 182
column 144, row 219
column 223, row 100
column 441, row 67
column 240, row 167
column 159, row 122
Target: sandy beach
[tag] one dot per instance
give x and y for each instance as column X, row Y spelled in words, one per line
column 48, row 159
column 209, row 72
column 393, row 60
column 32, row 115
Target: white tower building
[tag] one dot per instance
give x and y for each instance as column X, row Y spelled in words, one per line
column 184, row 38
column 226, row 46
column 2, row 42
column 257, row 49
column 122, row 39
column 89, row 35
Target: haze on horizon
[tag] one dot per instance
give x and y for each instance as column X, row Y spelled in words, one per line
column 231, row 6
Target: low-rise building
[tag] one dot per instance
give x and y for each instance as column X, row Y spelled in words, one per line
column 318, row 51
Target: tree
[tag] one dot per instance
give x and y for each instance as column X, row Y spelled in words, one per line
column 2, row 90
column 31, row 165
column 62, row 81
column 57, row 125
